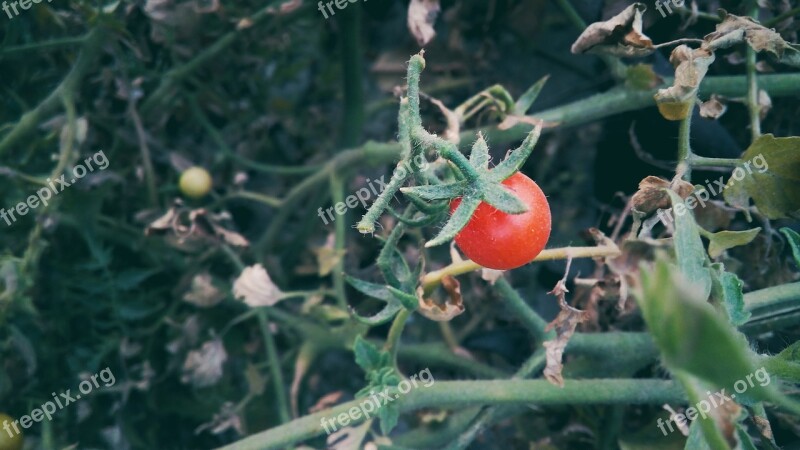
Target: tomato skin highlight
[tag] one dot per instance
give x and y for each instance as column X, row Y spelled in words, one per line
column 501, row 241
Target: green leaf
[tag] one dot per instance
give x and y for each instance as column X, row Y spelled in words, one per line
column 794, row 242
column 389, row 415
column 690, row 333
column 502, row 199
column 368, row 357
column 409, row 301
column 525, row 101
column 433, row 192
column 723, row 240
column 457, row 221
column 373, row 290
column 773, row 181
column 479, row 157
column 642, row 77
column 384, row 315
column 689, row 249
column 727, row 291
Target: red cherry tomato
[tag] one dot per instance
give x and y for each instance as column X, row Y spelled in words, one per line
column 501, row 241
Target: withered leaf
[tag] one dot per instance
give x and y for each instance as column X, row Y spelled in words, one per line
column 619, row 36
column 713, row 108
column 452, row 307
column 676, row 102
column 256, row 287
column 564, row 324
column 202, row 292
column 652, row 195
column 421, row 17
column 737, row 29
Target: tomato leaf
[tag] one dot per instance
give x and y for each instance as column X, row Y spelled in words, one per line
column 689, row 249
column 794, row 242
column 723, row 240
column 775, row 185
column 368, row 357
column 525, row 100
column 727, row 291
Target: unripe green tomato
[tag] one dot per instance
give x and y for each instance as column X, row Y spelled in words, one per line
column 7, row 442
column 195, row 182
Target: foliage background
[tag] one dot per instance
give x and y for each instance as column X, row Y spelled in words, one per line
column 160, row 85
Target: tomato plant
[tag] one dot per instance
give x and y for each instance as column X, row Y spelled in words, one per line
column 497, row 240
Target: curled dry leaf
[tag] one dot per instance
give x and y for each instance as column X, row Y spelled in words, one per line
column 676, row 102
column 713, row 108
column 203, row 367
column 619, row 36
column 256, row 287
column 564, row 324
column 652, row 195
column 737, row 29
column 192, row 229
column 452, row 133
column 202, row 292
column 453, row 306
column 421, row 17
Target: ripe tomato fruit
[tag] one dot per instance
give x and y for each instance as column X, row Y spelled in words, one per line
column 9, row 442
column 501, row 241
column 195, row 182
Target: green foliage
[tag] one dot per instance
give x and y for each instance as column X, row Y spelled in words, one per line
column 775, row 190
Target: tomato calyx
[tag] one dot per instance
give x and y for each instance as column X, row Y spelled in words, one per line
column 478, row 184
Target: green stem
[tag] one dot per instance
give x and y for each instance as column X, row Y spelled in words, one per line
column 31, row 119
column 176, row 75
column 684, row 145
column 339, row 244
column 522, row 311
column 772, row 297
column 753, row 107
column 780, row 18
column 702, row 161
column 43, row 46
column 395, row 331
column 274, row 366
column 462, row 394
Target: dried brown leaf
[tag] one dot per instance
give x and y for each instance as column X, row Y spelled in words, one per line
column 202, row 292
column 619, row 36
column 676, row 102
column 421, row 17
column 713, row 108
column 565, row 323
column 256, row 287
column 452, row 307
